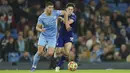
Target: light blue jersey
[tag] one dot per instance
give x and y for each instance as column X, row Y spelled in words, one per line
column 50, row 25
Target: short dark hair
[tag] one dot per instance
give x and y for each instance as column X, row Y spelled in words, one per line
column 49, row 4
column 70, row 5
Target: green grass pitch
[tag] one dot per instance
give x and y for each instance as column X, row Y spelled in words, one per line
column 66, row 71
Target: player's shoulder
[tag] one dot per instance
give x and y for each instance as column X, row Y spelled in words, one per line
column 56, row 11
column 41, row 16
column 73, row 14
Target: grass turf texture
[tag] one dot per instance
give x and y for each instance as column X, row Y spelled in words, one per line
column 66, row 71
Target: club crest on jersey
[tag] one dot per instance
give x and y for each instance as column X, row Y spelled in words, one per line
column 71, row 38
column 54, row 17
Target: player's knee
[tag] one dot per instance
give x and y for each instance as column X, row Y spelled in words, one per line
column 40, row 53
column 67, row 53
column 40, row 50
column 50, row 53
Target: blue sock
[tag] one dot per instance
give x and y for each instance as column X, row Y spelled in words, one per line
column 30, row 58
column 61, row 62
column 36, row 59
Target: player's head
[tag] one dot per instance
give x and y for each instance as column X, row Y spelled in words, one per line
column 70, row 8
column 49, row 7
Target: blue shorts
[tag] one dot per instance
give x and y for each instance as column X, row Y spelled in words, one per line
column 50, row 42
column 63, row 39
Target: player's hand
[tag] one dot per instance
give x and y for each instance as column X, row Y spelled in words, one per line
column 68, row 27
column 43, row 30
column 61, row 18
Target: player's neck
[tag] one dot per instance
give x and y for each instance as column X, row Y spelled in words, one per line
column 48, row 14
column 69, row 14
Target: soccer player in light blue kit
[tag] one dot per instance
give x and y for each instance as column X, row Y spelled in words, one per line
column 47, row 26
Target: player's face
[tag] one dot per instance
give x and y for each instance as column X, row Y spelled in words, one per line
column 70, row 10
column 49, row 9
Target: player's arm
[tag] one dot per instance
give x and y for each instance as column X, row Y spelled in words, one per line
column 70, row 21
column 66, row 19
column 39, row 28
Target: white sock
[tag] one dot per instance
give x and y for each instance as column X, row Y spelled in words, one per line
column 34, row 66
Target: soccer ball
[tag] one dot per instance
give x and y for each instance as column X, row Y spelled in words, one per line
column 72, row 66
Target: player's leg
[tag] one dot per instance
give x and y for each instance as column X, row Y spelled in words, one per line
column 55, row 58
column 61, row 59
column 37, row 57
column 51, row 46
column 67, row 48
column 67, row 54
column 41, row 44
column 58, row 53
column 59, row 47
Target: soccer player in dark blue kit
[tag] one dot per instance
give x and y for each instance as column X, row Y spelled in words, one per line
column 65, row 38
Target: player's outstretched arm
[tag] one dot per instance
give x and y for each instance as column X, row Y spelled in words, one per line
column 39, row 28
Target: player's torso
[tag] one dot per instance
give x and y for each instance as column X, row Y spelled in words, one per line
column 49, row 24
column 63, row 31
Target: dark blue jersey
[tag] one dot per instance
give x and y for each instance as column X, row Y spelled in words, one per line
column 63, row 31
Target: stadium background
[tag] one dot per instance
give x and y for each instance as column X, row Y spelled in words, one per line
column 98, row 21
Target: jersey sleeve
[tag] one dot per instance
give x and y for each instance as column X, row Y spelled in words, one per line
column 73, row 17
column 39, row 21
column 58, row 12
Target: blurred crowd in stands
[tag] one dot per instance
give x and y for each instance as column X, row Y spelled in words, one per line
column 102, row 33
